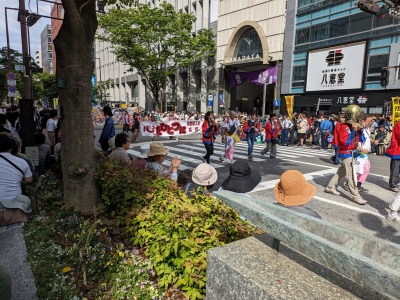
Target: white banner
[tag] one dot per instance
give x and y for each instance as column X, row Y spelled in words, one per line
column 170, row 128
column 336, row 68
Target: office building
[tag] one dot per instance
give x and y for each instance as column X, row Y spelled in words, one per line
column 187, row 89
column 57, row 12
column 334, row 54
column 47, row 49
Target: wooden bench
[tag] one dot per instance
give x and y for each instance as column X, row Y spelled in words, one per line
column 366, row 260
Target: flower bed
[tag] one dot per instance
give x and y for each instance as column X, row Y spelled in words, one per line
column 149, row 240
column 174, row 231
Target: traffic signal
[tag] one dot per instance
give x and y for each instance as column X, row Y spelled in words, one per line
column 384, row 77
column 35, row 69
column 368, row 6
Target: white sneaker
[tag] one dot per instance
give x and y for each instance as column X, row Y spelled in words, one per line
column 332, row 191
column 221, row 158
column 358, row 200
column 393, row 217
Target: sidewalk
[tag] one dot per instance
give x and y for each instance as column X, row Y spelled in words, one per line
column 13, row 256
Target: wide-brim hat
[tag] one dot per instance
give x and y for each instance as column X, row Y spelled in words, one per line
column 143, row 150
column 22, row 202
column 157, row 148
column 204, row 175
column 293, row 189
column 241, row 179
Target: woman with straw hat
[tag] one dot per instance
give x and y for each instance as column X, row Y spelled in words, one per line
column 293, row 191
column 158, row 153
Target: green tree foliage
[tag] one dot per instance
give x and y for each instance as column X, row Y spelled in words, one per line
column 155, row 41
column 15, row 59
column 102, row 91
column 44, row 85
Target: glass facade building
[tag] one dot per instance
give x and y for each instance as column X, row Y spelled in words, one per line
column 313, row 25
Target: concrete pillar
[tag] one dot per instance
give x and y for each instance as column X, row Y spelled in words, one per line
column 142, row 94
column 192, row 89
column 179, row 90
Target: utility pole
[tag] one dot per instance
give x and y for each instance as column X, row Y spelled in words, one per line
column 25, row 51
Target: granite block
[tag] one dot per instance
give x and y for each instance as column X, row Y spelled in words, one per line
column 367, row 260
column 250, row 270
column 13, row 255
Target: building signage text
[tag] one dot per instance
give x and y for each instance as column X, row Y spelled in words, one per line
column 253, row 57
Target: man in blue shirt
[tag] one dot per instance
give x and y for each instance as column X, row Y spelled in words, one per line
column 108, row 129
column 326, row 130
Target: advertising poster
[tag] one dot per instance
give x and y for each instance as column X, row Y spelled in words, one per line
column 336, row 68
column 289, row 105
column 395, row 110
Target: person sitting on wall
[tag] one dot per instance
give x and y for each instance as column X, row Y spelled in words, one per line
column 293, row 191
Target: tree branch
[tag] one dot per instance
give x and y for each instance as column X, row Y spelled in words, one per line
column 84, row 4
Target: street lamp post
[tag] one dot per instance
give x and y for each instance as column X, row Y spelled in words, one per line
column 101, row 87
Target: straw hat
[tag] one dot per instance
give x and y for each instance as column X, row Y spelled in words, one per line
column 204, row 175
column 157, row 148
column 293, row 189
column 143, row 150
column 241, row 179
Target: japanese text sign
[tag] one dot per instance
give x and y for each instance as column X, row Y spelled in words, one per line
column 170, row 128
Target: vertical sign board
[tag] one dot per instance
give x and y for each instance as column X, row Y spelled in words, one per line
column 210, row 100
column 289, row 105
column 395, row 110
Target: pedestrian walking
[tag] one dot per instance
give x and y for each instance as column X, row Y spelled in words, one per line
column 394, row 207
column 108, row 129
column 251, row 128
column 230, row 135
column 326, row 130
column 126, row 122
column 363, row 164
column 271, row 136
column 348, row 137
column 302, row 126
column 393, row 151
column 287, row 126
column 209, row 128
column 135, row 128
column 315, row 132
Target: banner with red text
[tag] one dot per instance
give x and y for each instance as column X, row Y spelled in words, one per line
column 170, row 128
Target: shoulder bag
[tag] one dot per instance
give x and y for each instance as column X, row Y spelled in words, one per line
column 10, row 216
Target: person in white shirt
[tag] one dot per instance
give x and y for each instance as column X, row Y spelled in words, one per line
column 51, row 126
column 286, row 125
column 13, row 171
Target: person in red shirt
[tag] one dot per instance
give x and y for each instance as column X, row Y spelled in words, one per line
column 348, row 136
column 271, row 136
column 338, row 121
column 209, row 128
column 251, row 128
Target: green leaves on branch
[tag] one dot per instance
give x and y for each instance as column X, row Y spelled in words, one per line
column 155, row 41
column 175, row 231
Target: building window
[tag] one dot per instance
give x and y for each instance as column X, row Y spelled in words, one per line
column 303, row 36
column 319, row 32
column 249, row 44
column 339, row 27
column 360, row 22
column 304, row 3
column 48, row 31
column 198, row 81
column 382, row 18
column 50, row 55
column 50, row 47
column 185, row 83
column 299, row 73
column 376, row 63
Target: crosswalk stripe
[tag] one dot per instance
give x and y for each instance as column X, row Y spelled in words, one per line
column 198, row 154
column 190, row 150
column 296, row 151
column 256, row 152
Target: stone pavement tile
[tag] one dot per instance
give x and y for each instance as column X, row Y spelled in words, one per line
column 13, row 255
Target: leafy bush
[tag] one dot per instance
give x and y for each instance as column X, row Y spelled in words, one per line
column 123, row 188
column 175, row 231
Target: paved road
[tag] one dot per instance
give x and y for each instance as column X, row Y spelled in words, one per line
column 318, row 170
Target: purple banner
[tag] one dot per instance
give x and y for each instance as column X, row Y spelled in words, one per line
column 259, row 77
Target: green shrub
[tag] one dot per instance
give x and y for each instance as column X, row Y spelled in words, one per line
column 175, row 231
column 123, row 188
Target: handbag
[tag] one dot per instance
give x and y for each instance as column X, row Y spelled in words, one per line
column 274, row 141
column 10, row 216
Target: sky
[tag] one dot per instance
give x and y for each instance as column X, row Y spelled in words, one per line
column 14, row 28
column 35, row 31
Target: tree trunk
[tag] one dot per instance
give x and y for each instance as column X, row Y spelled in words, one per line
column 75, row 64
